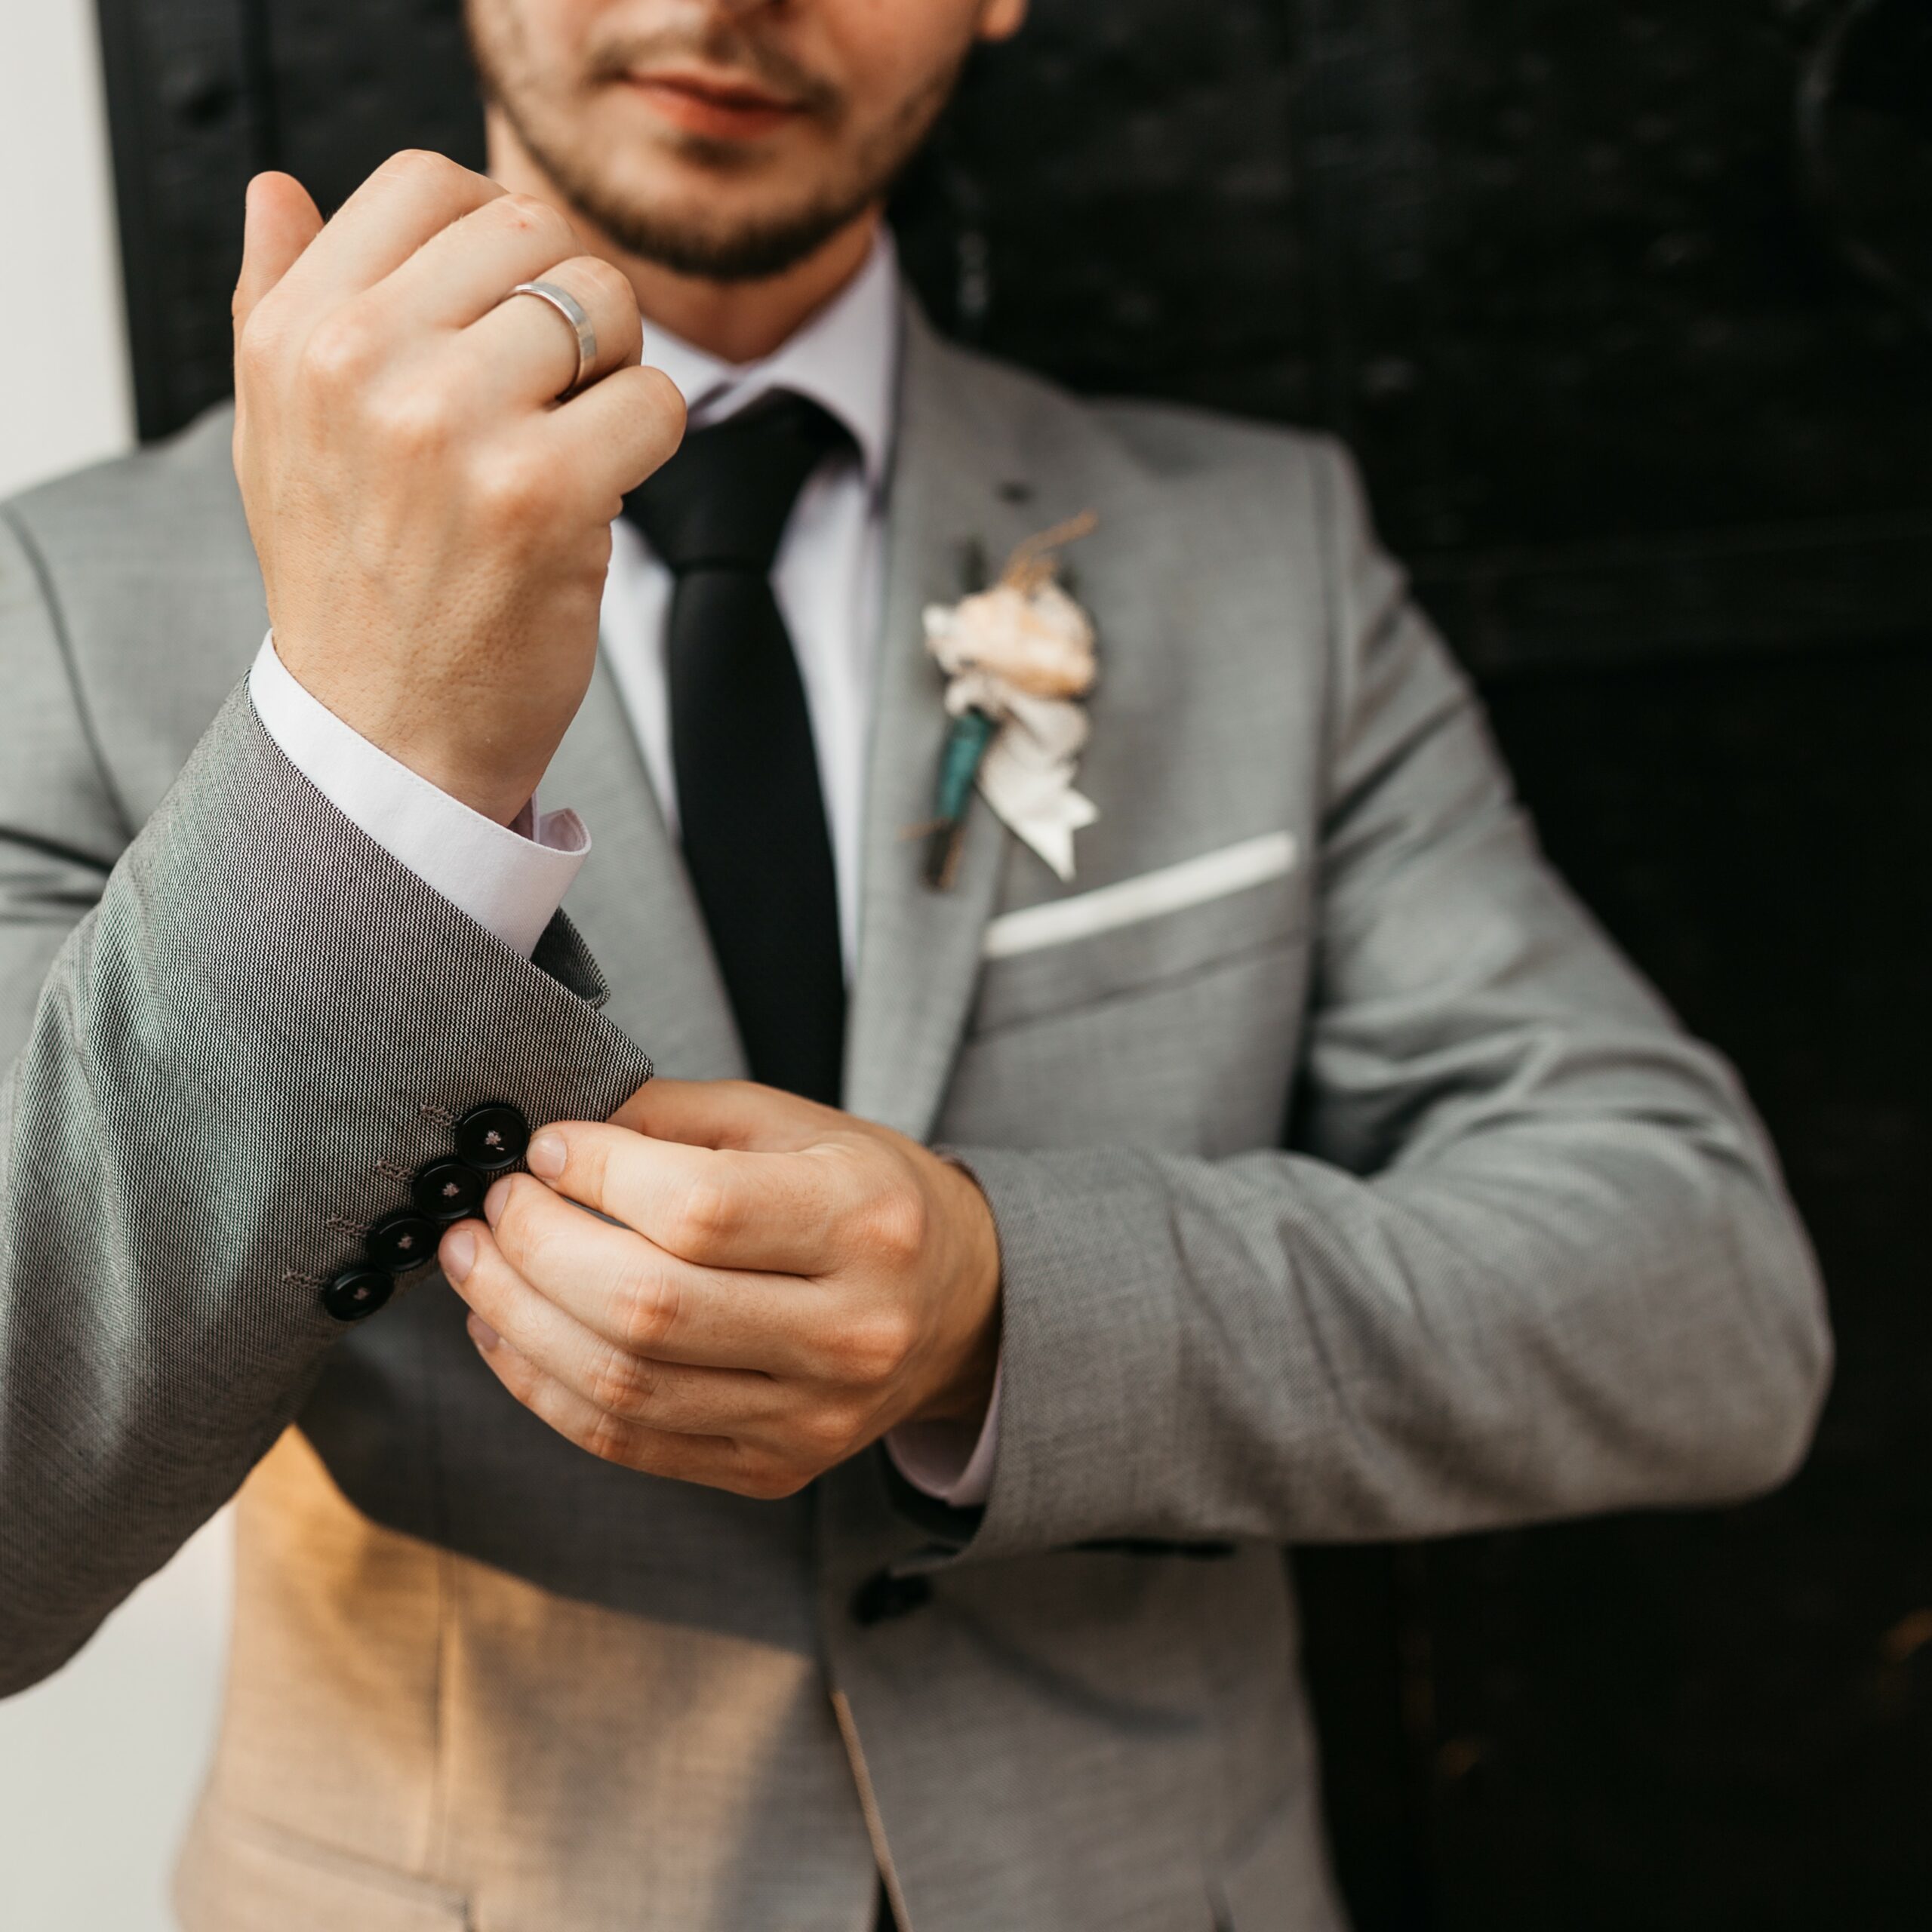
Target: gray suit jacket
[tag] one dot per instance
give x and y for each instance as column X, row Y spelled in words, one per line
column 1375, row 1196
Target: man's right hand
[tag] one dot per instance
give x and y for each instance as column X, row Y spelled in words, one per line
column 433, row 525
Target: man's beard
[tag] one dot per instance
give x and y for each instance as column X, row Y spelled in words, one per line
column 756, row 248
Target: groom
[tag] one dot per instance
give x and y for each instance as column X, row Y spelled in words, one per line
column 873, row 1508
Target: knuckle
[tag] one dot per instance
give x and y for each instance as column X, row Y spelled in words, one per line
column 340, row 351
column 603, row 283
column 592, row 274
column 894, row 1223
column 418, row 164
column 648, row 1302
column 530, row 214
column 506, row 495
column 622, row 1385
column 832, row 1433
column 610, row 1439
column 879, row 1346
column 415, row 421
column 707, row 1217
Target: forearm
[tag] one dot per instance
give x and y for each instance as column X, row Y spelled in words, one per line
column 236, row 1064
column 1580, row 1316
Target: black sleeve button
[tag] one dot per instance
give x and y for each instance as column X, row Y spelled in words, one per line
column 492, row 1137
column 402, row 1241
column 448, row 1191
column 355, row 1292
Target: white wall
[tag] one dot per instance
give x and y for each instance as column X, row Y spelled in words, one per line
column 98, row 1764
column 64, row 392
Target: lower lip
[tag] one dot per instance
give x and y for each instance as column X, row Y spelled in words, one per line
column 705, row 114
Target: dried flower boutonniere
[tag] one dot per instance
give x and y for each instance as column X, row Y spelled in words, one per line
column 1018, row 658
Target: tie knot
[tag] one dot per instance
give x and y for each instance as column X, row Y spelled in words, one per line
column 723, row 501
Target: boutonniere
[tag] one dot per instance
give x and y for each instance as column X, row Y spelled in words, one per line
column 1018, row 659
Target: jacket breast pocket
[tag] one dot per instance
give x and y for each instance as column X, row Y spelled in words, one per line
column 1152, row 928
column 1164, row 1011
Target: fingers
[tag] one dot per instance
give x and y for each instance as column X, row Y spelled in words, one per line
column 524, row 350
column 719, row 1207
column 726, row 1113
column 682, row 1398
column 585, row 455
column 461, row 272
column 606, row 440
column 633, row 1296
column 411, row 197
column 717, row 1461
column 282, row 220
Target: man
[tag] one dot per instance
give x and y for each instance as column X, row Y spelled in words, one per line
column 860, row 1519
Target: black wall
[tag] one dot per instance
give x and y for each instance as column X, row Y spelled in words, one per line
column 1628, row 309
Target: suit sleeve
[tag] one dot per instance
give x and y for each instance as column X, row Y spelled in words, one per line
column 1530, row 1255
column 231, row 1041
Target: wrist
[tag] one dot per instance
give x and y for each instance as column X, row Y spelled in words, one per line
column 971, row 1359
column 493, row 793
column 477, row 770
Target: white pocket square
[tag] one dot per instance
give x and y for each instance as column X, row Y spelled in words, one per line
column 1172, row 889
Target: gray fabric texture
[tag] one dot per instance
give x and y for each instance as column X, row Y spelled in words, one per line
column 1380, row 1197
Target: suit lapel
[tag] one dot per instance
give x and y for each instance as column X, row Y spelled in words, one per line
column 958, row 481
column 633, row 903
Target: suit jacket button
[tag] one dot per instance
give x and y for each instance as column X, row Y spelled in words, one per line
column 401, row 1241
column 448, row 1191
column 492, row 1137
column 356, row 1292
column 884, row 1596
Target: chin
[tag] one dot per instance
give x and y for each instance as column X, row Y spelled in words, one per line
column 694, row 194
column 733, row 210
column 711, row 209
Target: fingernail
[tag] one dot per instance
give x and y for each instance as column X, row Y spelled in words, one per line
column 546, row 1155
column 459, row 1253
column 485, row 1337
column 494, row 1201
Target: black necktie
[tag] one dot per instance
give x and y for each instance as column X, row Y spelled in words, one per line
column 750, row 813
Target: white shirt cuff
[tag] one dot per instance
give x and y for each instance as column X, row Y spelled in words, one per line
column 510, row 879
column 951, row 1461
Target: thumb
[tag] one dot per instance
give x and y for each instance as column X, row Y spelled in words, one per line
column 281, row 221
column 725, row 1113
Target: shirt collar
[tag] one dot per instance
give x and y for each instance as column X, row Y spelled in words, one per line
column 845, row 358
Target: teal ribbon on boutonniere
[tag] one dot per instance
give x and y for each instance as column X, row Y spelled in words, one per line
column 1018, row 657
column 959, row 765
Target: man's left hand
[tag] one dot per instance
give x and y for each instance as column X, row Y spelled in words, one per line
column 786, row 1284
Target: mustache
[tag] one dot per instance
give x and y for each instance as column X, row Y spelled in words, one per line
column 720, row 44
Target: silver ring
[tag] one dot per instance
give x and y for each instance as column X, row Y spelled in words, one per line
column 573, row 311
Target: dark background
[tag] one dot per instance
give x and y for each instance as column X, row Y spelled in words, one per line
column 1627, row 308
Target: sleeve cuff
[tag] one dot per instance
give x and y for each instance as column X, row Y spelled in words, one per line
column 510, row 879
column 951, row 1462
